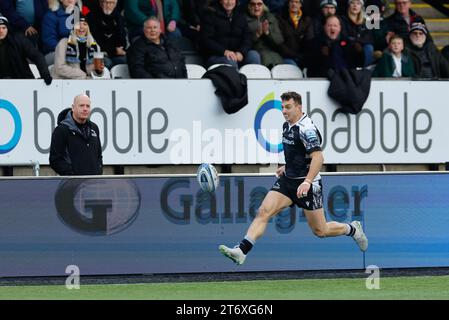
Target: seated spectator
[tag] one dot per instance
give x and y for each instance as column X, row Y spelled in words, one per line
column 327, row 8
column 154, row 56
column 376, row 21
column 15, row 49
column 25, row 17
column 400, row 21
column 429, row 62
column 355, row 29
column 108, row 29
column 56, row 25
column 395, row 62
column 191, row 15
column 138, row 11
column 267, row 36
column 74, row 56
column 335, row 52
column 297, row 31
column 89, row 5
column 225, row 36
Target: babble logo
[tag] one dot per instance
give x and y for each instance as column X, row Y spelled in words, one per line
column 97, row 207
column 12, row 143
column 267, row 104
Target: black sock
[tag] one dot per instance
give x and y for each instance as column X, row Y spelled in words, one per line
column 351, row 233
column 245, row 246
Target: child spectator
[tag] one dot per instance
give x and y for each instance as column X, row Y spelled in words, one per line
column 395, row 62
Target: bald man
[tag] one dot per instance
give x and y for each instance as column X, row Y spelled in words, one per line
column 75, row 143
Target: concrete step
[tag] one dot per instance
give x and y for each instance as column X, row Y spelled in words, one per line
column 437, row 25
column 440, row 39
column 423, row 9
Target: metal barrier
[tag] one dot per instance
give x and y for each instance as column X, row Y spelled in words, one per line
column 31, row 163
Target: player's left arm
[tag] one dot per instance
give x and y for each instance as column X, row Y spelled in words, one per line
column 316, row 163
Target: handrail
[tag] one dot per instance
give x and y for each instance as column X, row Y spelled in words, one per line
column 439, row 5
column 34, row 164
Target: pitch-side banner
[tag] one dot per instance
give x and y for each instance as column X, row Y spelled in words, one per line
column 146, row 225
column 183, row 122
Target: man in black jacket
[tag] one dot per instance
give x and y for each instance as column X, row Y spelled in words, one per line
column 75, row 143
column 225, row 37
column 15, row 49
column 154, row 56
column 108, row 29
column 428, row 61
column 400, row 21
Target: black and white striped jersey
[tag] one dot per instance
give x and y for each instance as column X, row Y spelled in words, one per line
column 299, row 141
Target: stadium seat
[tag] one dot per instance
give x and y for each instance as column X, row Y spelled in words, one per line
column 195, row 71
column 35, row 71
column 193, row 58
column 217, row 65
column 120, row 71
column 286, row 71
column 255, row 71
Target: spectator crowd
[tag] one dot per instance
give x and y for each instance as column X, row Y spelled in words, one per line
column 85, row 39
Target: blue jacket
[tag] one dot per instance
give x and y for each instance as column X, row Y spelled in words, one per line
column 17, row 22
column 54, row 29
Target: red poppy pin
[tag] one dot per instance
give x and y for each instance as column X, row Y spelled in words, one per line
column 342, row 43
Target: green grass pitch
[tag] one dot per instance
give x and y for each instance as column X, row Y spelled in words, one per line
column 426, row 287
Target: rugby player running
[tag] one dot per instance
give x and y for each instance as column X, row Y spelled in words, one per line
column 298, row 182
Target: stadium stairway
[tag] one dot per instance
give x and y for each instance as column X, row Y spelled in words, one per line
column 437, row 22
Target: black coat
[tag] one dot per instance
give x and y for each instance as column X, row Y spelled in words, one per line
column 438, row 63
column 296, row 40
column 399, row 26
column 350, row 88
column 149, row 60
column 108, row 30
column 72, row 152
column 356, row 32
column 220, row 32
column 192, row 11
column 231, row 87
column 336, row 55
column 19, row 49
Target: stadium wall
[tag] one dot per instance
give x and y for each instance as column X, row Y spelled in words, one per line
column 165, row 224
column 168, row 122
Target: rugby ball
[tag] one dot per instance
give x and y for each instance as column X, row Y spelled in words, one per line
column 207, row 177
